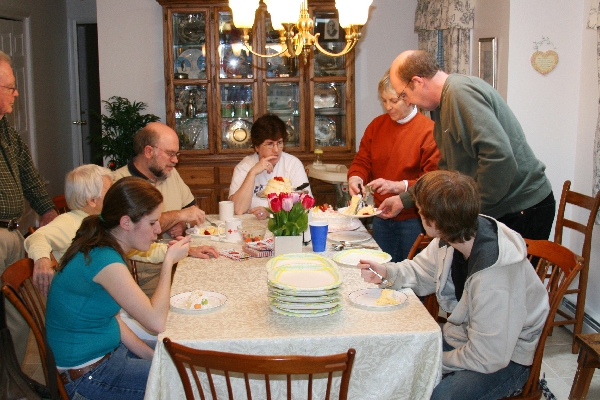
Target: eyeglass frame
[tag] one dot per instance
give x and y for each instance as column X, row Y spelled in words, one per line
column 280, row 144
column 169, row 153
column 402, row 95
column 12, row 89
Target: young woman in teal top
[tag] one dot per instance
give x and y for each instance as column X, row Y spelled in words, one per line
column 98, row 355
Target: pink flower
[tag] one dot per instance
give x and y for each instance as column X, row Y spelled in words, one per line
column 308, row 201
column 287, row 203
column 275, row 203
column 295, row 197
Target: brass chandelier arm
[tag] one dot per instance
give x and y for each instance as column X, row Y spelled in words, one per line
column 350, row 43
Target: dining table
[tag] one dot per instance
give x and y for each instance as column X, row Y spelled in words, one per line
column 398, row 348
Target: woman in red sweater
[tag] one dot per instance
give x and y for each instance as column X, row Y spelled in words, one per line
column 396, row 149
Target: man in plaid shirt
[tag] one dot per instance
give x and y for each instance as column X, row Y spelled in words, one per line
column 18, row 180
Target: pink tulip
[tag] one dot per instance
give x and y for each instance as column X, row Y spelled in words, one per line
column 295, row 197
column 275, row 203
column 287, row 203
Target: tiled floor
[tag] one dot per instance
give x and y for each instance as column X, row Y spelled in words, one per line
column 558, row 364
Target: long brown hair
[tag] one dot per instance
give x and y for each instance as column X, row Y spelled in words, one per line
column 131, row 196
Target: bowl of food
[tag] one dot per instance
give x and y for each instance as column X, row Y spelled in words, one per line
column 253, row 234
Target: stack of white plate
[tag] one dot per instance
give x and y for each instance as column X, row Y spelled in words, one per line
column 304, row 285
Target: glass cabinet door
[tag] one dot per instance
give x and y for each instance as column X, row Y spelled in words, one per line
column 189, row 56
column 237, row 115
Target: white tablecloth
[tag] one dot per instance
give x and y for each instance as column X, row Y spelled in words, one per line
column 398, row 350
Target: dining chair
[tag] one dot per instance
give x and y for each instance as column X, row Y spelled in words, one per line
column 581, row 201
column 18, row 288
column 134, row 271
column 557, row 267
column 430, row 301
column 60, row 204
column 188, row 359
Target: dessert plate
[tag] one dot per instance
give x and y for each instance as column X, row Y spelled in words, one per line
column 197, row 301
column 368, row 297
column 313, row 313
column 341, row 211
column 353, row 256
column 350, row 236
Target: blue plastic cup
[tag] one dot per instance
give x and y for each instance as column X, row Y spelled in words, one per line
column 318, row 234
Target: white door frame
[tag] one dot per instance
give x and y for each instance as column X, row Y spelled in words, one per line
column 76, row 135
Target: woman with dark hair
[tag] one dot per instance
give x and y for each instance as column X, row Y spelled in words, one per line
column 251, row 175
column 479, row 271
column 98, row 356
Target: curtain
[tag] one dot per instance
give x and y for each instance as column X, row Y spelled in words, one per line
column 455, row 19
column 594, row 23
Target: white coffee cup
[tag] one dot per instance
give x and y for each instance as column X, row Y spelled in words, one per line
column 232, row 231
column 225, row 210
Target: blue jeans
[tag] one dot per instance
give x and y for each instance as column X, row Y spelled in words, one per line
column 471, row 385
column 396, row 237
column 122, row 376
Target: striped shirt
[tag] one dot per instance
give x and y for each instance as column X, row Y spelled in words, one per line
column 19, row 178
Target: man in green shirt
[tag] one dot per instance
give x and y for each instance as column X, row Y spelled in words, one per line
column 477, row 134
column 19, row 180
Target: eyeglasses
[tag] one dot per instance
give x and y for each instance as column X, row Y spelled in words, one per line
column 270, row 145
column 402, row 95
column 169, row 153
column 12, row 89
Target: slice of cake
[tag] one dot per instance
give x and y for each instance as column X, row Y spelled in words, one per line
column 278, row 185
column 387, row 298
column 351, row 210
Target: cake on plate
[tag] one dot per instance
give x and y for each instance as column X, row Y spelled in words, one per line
column 278, row 185
column 326, row 213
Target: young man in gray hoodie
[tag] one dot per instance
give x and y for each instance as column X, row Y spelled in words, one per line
column 479, row 271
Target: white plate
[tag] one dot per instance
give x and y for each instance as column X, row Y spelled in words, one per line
column 313, row 313
column 352, row 226
column 189, row 61
column 305, row 277
column 305, row 293
column 350, row 236
column 215, row 299
column 341, row 211
column 303, row 306
column 367, row 298
column 277, row 295
column 200, row 234
column 353, row 256
column 329, row 111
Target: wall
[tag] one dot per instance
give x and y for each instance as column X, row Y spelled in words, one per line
column 492, row 20
column 49, row 62
column 558, row 111
column 389, row 32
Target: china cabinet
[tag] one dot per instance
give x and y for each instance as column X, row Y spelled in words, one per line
column 215, row 88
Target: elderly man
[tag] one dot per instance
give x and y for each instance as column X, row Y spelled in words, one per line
column 156, row 148
column 18, row 180
column 478, row 135
column 85, row 188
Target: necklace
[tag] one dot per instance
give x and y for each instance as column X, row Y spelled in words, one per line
column 410, row 116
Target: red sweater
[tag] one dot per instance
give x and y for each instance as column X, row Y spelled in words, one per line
column 396, row 152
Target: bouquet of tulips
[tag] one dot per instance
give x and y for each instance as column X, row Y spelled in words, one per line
column 290, row 213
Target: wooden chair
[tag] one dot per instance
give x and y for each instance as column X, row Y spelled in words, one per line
column 60, row 204
column 557, row 268
column 430, row 301
column 187, row 359
column 587, row 203
column 18, row 288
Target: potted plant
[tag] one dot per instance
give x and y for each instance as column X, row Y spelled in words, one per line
column 119, row 125
column 289, row 219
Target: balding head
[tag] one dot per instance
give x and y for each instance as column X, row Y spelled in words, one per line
column 152, row 135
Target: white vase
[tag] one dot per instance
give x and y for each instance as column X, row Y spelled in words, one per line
column 287, row 244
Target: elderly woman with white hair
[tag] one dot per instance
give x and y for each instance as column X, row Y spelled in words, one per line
column 85, row 187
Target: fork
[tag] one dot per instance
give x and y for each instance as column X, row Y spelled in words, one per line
column 210, row 222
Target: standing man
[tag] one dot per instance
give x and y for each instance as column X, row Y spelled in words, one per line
column 477, row 134
column 19, row 180
column 156, row 148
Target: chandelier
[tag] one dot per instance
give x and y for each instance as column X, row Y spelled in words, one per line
column 284, row 17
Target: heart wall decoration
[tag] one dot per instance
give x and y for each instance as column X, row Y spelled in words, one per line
column 544, row 62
